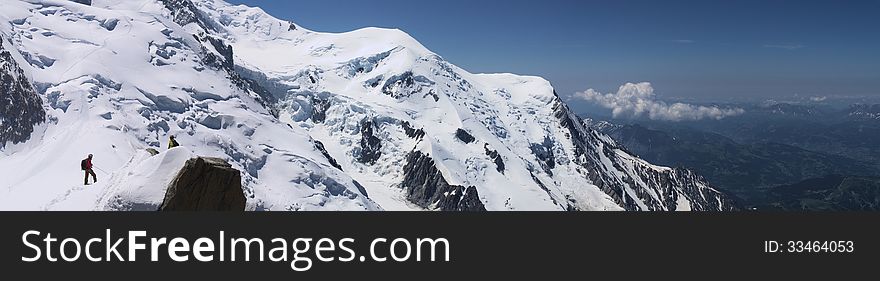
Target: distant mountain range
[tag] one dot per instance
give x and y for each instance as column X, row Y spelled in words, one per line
column 764, row 155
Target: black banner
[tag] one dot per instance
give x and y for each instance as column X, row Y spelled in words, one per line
column 480, row 245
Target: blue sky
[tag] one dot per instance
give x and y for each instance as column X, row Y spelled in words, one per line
column 706, row 50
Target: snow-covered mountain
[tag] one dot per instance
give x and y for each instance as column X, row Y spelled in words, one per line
column 363, row 120
column 120, row 76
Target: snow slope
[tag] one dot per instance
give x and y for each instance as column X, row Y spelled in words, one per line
column 363, row 120
column 123, row 78
column 376, row 84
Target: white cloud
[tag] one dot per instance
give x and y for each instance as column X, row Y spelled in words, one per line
column 785, row 46
column 637, row 100
column 818, row 99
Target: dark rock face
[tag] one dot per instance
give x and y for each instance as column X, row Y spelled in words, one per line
column 493, row 154
column 20, row 106
column 412, row 132
column 464, row 136
column 371, row 145
column 407, row 84
column 360, row 188
column 319, row 108
column 84, row 2
column 403, row 81
column 320, row 147
column 225, row 51
column 184, row 12
column 426, row 187
column 205, row 184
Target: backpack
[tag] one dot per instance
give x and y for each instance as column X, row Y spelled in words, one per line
column 82, row 165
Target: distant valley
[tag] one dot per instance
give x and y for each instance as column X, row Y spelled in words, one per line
column 777, row 156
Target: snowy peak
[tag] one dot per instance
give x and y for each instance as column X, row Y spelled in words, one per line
column 362, row 120
column 409, row 124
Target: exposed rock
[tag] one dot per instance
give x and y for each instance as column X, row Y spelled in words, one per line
column 412, row 132
column 499, row 163
column 426, row 187
column 184, row 12
column 360, row 188
column 20, row 107
column 407, row 84
column 320, row 147
column 319, row 108
column 371, row 145
column 152, row 151
column 464, row 136
column 205, row 184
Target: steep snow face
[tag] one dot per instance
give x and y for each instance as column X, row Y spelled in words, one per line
column 118, row 77
column 421, row 133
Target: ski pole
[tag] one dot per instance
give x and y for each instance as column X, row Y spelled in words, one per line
column 102, row 170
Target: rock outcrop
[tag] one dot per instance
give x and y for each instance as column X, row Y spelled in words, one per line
column 21, row 109
column 205, row 184
column 426, row 187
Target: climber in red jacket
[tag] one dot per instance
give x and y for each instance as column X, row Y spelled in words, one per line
column 86, row 166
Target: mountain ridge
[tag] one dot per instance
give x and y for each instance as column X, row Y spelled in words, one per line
column 368, row 119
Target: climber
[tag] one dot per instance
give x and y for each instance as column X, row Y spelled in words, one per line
column 86, row 166
column 172, row 143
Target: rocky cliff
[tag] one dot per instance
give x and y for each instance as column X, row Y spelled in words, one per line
column 205, row 184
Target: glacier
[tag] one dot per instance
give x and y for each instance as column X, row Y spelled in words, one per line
column 363, row 120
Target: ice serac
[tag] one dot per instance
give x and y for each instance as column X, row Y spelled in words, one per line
column 21, row 109
column 420, row 133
